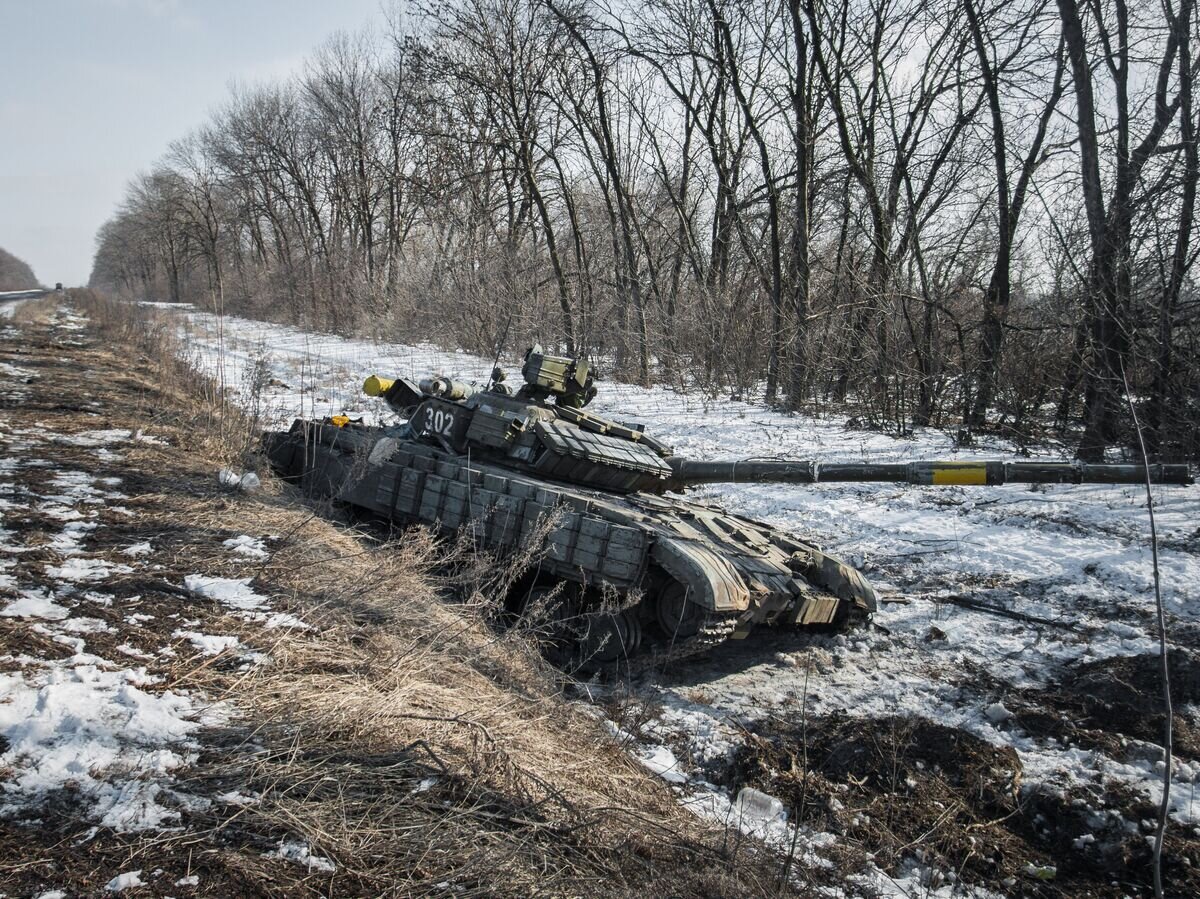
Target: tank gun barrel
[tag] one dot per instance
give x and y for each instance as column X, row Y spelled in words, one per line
column 686, row 472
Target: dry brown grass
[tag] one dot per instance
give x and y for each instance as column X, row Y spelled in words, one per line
column 402, row 736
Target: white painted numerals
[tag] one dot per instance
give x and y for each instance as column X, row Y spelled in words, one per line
column 439, row 421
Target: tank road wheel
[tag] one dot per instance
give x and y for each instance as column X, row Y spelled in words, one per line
column 572, row 638
column 553, row 613
column 605, row 639
column 678, row 616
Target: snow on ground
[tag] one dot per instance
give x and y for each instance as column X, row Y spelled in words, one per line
column 92, row 725
column 237, row 596
column 245, row 545
column 301, row 854
column 125, row 881
column 208, row 644
column 100, row 728
column 12, row 300
column 1076, row 556
column 83, row 722
column 71, row 725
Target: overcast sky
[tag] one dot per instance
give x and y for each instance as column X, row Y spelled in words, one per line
column 93, row 91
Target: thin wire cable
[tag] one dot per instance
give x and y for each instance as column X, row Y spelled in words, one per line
column 1168, row 725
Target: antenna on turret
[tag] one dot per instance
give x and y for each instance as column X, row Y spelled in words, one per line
column 497, row 374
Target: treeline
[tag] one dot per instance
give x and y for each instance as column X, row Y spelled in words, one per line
column 15, row 274
column 961, row 213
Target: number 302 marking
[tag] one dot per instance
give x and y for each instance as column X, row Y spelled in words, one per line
column 439, row 421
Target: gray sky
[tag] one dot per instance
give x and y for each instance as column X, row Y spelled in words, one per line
column 93, row 91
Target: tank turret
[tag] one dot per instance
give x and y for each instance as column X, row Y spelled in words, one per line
column 509, row 467
column 543, row 429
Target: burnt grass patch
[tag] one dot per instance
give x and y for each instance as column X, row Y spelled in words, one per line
column 905, row 789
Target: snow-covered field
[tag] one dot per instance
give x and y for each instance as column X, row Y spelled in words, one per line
column 1074, row 560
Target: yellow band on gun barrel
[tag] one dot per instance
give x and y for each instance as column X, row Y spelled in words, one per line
column 960, row 473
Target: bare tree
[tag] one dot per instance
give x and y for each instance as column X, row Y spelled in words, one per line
column 996, row 67
column 1110, row 213
column 819, row 201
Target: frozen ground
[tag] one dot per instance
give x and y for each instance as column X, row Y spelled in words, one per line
column 1076, row 560
column 90, row 722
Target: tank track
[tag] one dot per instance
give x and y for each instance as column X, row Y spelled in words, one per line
column 715, row 630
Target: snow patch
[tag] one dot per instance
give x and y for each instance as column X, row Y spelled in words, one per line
column 233, row 593
column 34, row 604
column 142, row 437
column 126, row 881
column 246, row 545
column 86, row 570
column 97, row 730
column 69, row 541
column 93, row 438
column 662, row 762
column 997, row 713
column 293, row 851
column 208, row 644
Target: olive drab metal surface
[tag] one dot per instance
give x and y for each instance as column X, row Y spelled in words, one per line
column 532, row 469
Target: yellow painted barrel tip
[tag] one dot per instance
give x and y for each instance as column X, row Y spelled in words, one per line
column 377, row 386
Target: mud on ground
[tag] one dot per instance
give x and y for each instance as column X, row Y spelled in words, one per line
column 902, row 786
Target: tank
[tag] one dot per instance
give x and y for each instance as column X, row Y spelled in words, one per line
column 627, row 572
